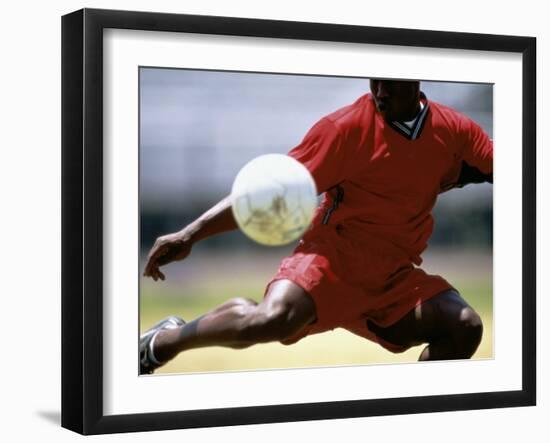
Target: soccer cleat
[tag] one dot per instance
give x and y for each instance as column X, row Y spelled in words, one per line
column 147, row 361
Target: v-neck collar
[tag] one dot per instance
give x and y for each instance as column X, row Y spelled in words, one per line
column 414, row 131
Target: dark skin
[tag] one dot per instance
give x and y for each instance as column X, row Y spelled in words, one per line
column 451, row 328
column 396, row 100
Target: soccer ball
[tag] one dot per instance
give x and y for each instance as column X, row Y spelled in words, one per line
column 273, row 199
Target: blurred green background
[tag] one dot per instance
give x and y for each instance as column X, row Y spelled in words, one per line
column 197, row 128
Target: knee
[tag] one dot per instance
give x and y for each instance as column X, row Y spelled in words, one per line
column 468, row 332
column 262, row 325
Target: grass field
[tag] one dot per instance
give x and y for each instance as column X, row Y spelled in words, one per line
column 200, row 284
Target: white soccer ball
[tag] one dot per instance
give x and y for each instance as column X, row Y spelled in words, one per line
column 273, row 199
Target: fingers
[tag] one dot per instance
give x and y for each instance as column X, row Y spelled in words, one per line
column 160, row 255
column 156, row 274
column 165, row 250
column 151, row 268
column 151, row 261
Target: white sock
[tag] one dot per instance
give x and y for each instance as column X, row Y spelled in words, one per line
column 151, row 352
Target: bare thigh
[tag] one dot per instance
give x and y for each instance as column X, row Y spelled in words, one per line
column 293, row 306
column 438, row 317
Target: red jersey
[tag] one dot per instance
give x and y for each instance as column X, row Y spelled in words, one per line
column 381, row 179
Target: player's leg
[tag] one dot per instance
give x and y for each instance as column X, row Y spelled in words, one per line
column 240, row 323
column 456, row 328
column 451, row 327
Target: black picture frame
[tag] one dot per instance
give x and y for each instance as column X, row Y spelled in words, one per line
column 82, row 219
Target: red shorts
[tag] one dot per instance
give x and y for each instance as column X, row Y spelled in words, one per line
column 351, row 283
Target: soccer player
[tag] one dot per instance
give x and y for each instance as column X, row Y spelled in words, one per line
column 380, row 164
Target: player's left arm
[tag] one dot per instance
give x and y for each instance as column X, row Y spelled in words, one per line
column 476, row 154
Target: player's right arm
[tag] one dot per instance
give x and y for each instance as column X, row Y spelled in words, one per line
column 323, row 153
column 177, row 246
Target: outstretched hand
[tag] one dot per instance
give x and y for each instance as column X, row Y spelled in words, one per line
column 168, row 248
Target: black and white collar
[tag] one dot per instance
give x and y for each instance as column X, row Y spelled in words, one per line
column 413, row 132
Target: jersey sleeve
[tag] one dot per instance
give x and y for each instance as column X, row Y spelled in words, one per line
column 477, row 154
column 322, row 153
